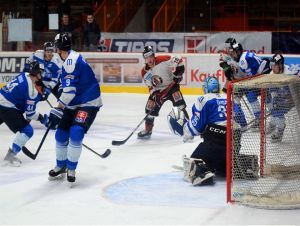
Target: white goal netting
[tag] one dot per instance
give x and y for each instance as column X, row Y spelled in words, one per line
column 263, row 141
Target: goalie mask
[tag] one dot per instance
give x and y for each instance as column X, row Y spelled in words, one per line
column 211, row 85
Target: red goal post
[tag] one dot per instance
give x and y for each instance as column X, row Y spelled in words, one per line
column 262, row 173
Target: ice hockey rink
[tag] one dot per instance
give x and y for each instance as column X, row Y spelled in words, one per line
column 135, row 185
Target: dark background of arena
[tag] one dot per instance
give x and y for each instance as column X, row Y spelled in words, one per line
column 282, row 17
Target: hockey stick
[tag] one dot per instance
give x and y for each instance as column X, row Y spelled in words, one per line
column 120, row 142
column 104, row 155
column 247, row 106
column 30, row 154
column 252, row 121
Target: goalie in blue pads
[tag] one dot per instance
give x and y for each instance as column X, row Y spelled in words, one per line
column 209, row 121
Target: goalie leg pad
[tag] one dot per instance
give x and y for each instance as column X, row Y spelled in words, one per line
column 197, row 172
column 246, row 167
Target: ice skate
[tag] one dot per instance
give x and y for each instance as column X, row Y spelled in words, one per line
column 11, row 159
column 71, row 177
column 277, row 136
column 144, row 134
column 57, row 173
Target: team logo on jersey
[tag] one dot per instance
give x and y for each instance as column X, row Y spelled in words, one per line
column 194, row 44
column 81, row 116
column 69, row 77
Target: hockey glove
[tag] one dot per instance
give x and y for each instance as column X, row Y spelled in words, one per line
column 227, row 70
column 55, row 117
column 177, row 74
column 44, row 119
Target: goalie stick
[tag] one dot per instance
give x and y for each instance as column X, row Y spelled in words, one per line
column 180, row 168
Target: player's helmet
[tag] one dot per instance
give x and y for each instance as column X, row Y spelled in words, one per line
column 232, row 45
column 34, row 68
column 148, row 51
column 62, row 41
column 49, row 46
column 278, row 59
column 229, row 42
column 211, row 85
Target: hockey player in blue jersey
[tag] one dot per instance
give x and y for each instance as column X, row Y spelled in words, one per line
column 249, row 64
column 52, row 67
column 77, row 108
column 209, row 121
column 282, row 100
column 16, row 98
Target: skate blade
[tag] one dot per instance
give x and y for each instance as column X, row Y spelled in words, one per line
column 71, row 184
column 8, row 163
column 144, row 138
column 59, row 177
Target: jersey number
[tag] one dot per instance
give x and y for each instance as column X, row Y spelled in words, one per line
column 9, row 87
column 222, row 111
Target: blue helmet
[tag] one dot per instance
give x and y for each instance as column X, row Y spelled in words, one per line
column 211, row 85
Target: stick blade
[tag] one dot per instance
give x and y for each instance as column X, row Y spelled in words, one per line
column 106, row 153
column 118, row 142
column 28, row 153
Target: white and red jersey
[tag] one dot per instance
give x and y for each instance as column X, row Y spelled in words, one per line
column 164, row 68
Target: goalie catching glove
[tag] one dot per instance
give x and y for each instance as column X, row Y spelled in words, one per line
column 177, row 121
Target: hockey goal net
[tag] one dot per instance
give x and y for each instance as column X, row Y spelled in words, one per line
column 263, row 170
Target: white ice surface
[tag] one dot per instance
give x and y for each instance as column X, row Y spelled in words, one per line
column 134, row 185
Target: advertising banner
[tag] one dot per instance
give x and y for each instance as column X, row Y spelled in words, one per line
column 123, row 70
column 206, row 42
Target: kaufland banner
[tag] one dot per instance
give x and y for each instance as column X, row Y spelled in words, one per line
column 259, row 42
